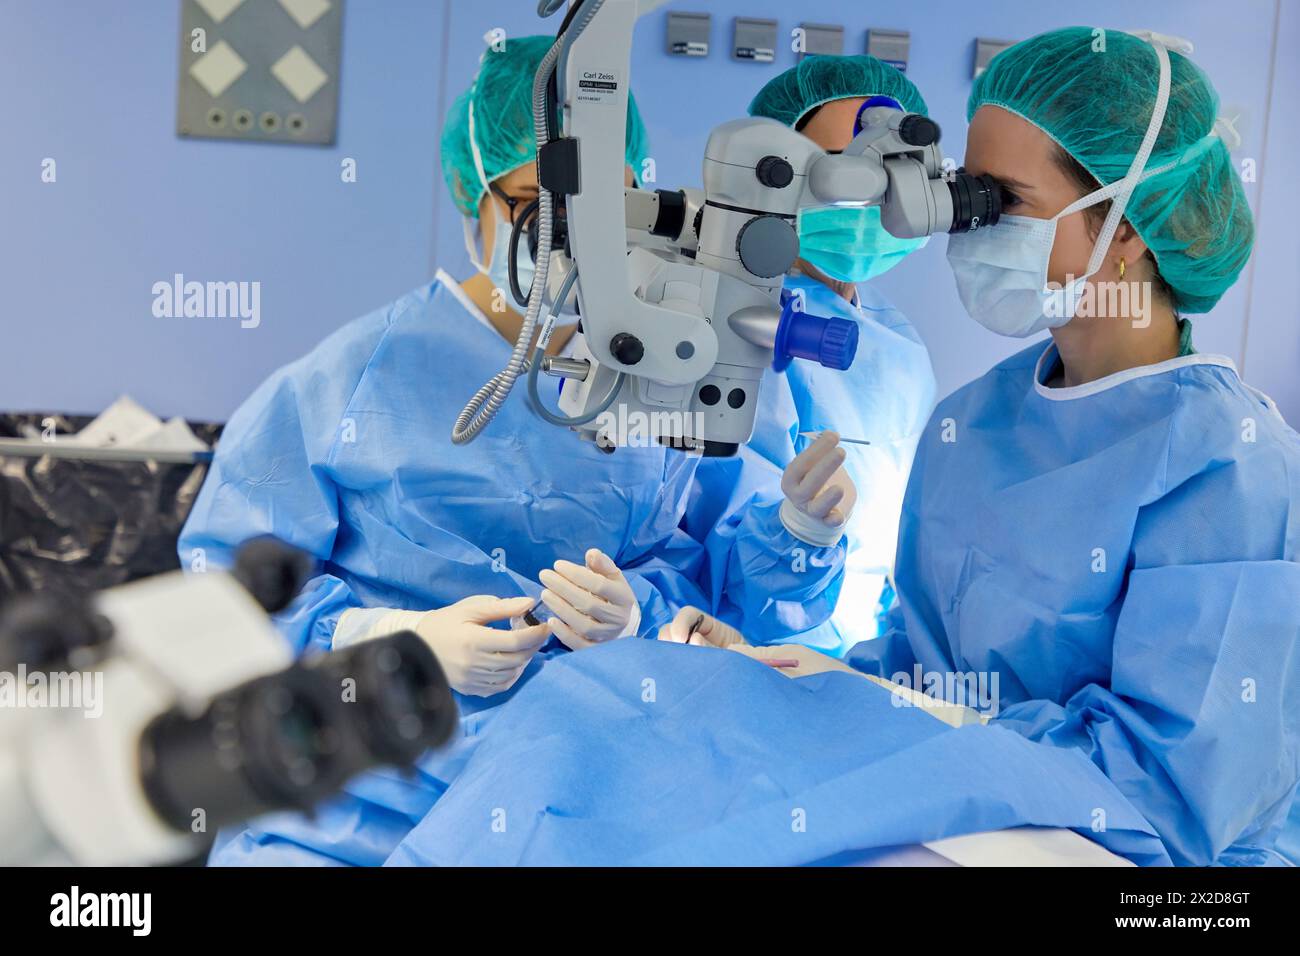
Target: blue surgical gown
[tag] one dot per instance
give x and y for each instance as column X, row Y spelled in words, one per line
column 1121, row 557
column 884, row 398
column 346, row 454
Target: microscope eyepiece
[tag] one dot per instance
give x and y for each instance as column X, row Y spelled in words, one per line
column 288, row 740
column 976, row 202
column 276, row 742
column 400, row 702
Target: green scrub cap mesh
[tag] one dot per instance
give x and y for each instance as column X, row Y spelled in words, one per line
column 819, row 79
column 500, row 100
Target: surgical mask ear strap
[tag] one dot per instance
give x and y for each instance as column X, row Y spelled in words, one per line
column 1134, row 175
column 483, row 181
column 1167, row 40
column 471, row 247
column 1114, row 189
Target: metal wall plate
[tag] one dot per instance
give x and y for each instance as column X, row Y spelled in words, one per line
column 688, row 33
column 265, row 70
column 986, row 50
column 754, row 40
column 892, row 46
column 825, row 38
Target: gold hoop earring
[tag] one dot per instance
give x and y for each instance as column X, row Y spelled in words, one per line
column 1121, row 268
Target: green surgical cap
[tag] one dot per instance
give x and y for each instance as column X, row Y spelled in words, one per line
column 1096, row 103
column 502, row 100
column 819, row 79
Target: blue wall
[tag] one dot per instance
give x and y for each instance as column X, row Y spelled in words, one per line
column 92, row 84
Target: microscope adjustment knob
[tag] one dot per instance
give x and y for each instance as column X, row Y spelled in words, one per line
column 839, row 344
column 774, row 171
column 627, row 348
column 767, row 246
column 830, row 342
column 917, row 130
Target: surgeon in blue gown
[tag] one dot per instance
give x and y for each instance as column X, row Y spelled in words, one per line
column 885, row 398
column 346, row 454
column 1106, row 523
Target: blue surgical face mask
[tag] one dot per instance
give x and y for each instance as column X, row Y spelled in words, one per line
column 849, row 243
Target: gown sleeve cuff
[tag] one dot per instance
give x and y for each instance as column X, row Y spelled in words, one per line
column 808, row 529
column 367, row 623
column 634, row 622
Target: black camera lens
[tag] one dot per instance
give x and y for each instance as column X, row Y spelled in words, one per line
column 274, row 743
column 396, row 695
column 976, row 201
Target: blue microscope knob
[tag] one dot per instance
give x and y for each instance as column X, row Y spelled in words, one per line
column 830, row 342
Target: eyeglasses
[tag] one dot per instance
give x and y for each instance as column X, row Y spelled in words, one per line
column 512, row 202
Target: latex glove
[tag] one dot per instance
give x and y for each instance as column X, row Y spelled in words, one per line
column 819, row 494
column 478, row 660
column 693, row 626
column 806, row 661
column 591, row 604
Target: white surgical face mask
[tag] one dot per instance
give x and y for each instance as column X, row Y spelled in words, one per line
column 1001, row 274
column 525, row 269
column 1001, row 270
column 496, row 268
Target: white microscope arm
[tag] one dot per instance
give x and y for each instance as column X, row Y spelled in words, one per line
column 678, row 348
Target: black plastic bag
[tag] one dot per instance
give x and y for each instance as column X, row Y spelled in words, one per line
column 70, row 526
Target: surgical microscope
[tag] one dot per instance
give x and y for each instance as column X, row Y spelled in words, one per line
column 148, row 716
column 679, row 292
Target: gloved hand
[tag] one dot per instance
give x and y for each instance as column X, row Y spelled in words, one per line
column 806, row 660
column 478, row 660
column 819, row 494
column 693, row 626
column 591, row 604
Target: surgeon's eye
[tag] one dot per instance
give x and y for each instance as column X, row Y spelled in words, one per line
column 1009, row 199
